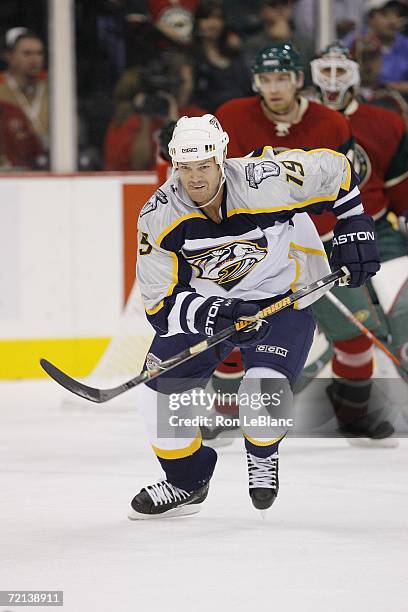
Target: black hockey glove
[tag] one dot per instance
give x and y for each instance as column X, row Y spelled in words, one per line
column 217, row 313
column 354, row 245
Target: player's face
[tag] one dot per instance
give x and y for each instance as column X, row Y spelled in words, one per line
column 211, row 27
column 200, row 179
column 278, row 90
column 385, row 22
column 27, row 58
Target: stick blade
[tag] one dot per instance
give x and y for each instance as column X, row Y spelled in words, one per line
column 89, row 393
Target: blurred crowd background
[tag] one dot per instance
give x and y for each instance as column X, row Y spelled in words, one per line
column 141, row 63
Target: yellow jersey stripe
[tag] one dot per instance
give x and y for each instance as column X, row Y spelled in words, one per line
column 346, row 183
column 297, row 274
column 179, row 453
column 299, row 247
column 264, row 150
column 271, row 209
column 311, row 151
column 267, row 443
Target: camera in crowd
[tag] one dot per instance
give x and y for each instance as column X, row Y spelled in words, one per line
column 156, row 80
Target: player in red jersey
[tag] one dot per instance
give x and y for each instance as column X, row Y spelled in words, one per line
column 280, row 116
column 381, row 158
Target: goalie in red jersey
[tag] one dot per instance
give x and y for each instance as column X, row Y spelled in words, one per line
column 381, row 159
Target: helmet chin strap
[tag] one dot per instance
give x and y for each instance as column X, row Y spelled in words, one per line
column 222, row 181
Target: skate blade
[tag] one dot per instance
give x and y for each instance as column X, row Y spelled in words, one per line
column 264, row 514
column 370, row 443
column 173, row 513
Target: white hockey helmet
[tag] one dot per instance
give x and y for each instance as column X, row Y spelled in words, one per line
column 197, row 138
column 335, row 73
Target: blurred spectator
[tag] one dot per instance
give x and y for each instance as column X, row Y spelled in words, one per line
column 366, row 50
column 110, row 27
column 24, row 84
column 32, row 15
column 219, row 69
column 121, row 32
column 114, row 39
column 166, row 32
column 145, row 99
column 156, row 26
column 173, row 19
column 403, row 11
column 278, row 26
column 242, row 16
column 20, row 148
column 385, row 22
column 103, row 31
column 348, row 16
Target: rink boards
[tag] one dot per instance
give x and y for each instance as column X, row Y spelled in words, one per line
column 67, row 244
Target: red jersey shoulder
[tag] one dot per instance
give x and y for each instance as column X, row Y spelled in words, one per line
column 374, row 117
column 321, row 116
column 238, row 105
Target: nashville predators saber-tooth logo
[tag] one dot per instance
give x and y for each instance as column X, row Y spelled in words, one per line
column 228, row 263
column 256, row 173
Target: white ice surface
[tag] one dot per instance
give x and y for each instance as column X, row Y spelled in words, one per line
column 335, row 541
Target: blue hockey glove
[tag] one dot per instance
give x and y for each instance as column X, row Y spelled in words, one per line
column 217, row 313
column 354, row 245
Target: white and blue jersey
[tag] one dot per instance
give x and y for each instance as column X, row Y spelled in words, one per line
column 264, row 246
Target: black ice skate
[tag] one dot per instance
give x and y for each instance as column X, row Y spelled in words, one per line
column 370, row 429
column 263, row 480
column 163, row 499
column 368, row 432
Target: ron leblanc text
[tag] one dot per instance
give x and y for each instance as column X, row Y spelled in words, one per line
column 224, row 421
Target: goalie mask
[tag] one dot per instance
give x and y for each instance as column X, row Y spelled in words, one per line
column 335, row 74
column 198, row 138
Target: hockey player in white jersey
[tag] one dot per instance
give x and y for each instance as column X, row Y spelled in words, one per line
column 217, row 242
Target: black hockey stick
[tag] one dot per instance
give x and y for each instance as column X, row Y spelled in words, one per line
column 103, row 395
